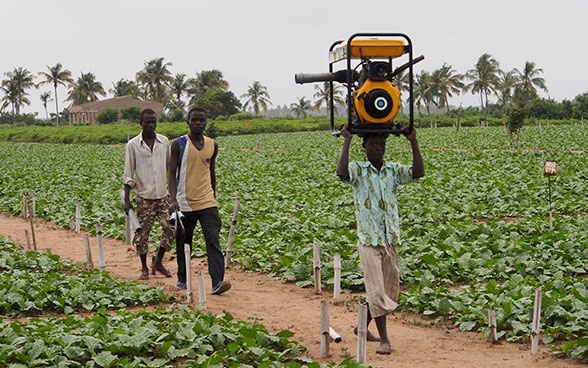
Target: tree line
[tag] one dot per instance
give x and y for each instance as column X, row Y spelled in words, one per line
column 514, row 89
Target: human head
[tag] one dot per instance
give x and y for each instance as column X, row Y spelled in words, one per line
column 374, row 145
column 146, row 112
column 148, row 121
column 197, row 120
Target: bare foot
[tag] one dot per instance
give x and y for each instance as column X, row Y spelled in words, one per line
column 384, row 348
column 370, row 336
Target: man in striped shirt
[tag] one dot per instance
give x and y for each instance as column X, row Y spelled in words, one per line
column 146, row 160
column 375, row 184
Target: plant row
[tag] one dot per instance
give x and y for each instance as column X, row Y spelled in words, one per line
column 33, row 283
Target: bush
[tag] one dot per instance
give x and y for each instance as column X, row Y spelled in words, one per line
column 132, row 114
column 176, row 115
column 107, row 116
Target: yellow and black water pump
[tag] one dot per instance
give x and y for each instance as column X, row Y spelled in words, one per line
column 373, row 101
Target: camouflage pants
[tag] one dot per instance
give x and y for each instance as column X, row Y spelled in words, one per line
column 147, row 211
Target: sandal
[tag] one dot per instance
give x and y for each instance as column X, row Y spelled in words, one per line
column 144, row 275
column 157, row 266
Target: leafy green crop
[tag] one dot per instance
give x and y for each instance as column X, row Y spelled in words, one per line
column 32, row 283
column 178, row 336
column 475, row 229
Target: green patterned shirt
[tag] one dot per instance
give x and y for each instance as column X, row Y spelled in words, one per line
column 376, row 206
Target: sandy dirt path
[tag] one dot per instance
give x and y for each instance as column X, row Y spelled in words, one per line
column 280, row 305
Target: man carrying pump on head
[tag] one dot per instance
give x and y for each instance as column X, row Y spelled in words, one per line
column 192, row 188
column 375, row 184
column 146, row 160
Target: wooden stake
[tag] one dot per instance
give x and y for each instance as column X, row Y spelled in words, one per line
column 32, row 230
column 492, row 323
column 362, row 333
column 34, row 207
column 188, row 260
column 25, row 207
column 317, row 267
column 337, row 268
column 101, row 262
column 27, row 242
column 334, row 335
column 536, row 323
column 232, row 232
column 325, row 337
column 88, row 252
column 201, row 291
column 78, row 216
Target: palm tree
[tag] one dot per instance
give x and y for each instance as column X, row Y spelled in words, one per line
column 20, row 80
column 85, row 89
column 401, row 81
column 322, row 96
column 205, row 81
column 527, row 84
column 422, row 91
column 154, row 78
column 505, row 86
column 299, row 108
column 46, row 97
column 258, row 96
column 56, row 76
column 10, row 96
column 484, row 78
column 179, row 86
column 443, row 83
column 125, row 87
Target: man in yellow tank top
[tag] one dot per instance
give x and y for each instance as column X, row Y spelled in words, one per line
column 192, row 188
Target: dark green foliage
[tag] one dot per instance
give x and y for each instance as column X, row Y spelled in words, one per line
column 211, row 130
column 107, row 116
column 217, row 102
column 132, row 114
column 176, row 115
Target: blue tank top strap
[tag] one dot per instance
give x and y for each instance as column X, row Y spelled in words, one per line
column 183, row 140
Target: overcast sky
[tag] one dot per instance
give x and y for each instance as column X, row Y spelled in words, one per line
column 271, row 40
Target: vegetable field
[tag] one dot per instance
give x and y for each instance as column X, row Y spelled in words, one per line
column 475, row 229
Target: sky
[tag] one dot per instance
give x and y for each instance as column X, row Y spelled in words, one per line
column 271, row 40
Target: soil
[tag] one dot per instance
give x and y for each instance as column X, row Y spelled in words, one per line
column 416, row 341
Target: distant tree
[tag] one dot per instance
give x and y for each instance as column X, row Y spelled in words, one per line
column 322, row 97
column 174, row 104
column 528, row 80
column 505, row 86
column 543, row 108
column 10, row 96
column 301, row 107
column 46, row 97
column 580, row 106
column 154, row 79
column 179, row 85
column 401, row 81
column 85, row 89
column 422, row 91
column 56, row 75
column 107, row 116
column 206, row 80
column 19, row 80
column 444, row 82
column 131, row 113
column 516, row 119
column 125, row 87
column 257, row 96
column 217, row 102
column 484, row 77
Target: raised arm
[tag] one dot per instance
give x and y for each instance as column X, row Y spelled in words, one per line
column 418, row 167
column 343, row 163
